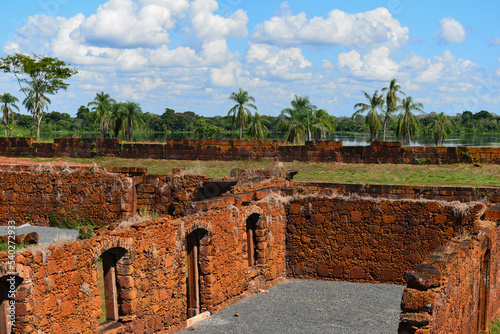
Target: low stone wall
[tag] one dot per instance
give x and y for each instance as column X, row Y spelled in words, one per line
column 60, row 289
column 38, row 194
column 368, row 240
column 437, row 193
column 455, row 289
column 322, row 151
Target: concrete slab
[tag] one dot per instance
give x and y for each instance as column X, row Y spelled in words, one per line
column 306, row 306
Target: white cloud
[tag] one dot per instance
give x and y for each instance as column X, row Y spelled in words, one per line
column 132, row 59
column 84, row 75
column 431, row 74
column 376, row 65
column 208, row 27
column 451, row 31
column 495, row 41
column 376, row 27
column 225, row 76
column 272, row 61
column 179, row 57
column 216, row 53
column 124, row 24
column 447, row 57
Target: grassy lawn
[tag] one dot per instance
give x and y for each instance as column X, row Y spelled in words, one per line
column 487, row 175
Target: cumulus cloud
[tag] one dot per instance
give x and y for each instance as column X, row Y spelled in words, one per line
column 272, row 61
column 208, row 26
column 432, row 74
column 376, row 65
column 124, row 24
column 135, row 34
column 451, row 31
column 376, row 27
column 225, row 76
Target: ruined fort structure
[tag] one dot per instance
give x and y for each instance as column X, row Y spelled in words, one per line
column 216, row 240
column 377, row 152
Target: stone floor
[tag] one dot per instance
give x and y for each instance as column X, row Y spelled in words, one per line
column 305, row 306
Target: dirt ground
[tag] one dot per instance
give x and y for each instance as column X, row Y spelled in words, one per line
column 5, row 161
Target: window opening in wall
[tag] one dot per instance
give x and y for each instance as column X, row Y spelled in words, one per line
column 252, row 239
column 8, row 285
column 108, row 284
column 194, row 244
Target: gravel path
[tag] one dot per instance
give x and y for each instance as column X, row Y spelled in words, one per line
column 47, row 234
column 305, row 306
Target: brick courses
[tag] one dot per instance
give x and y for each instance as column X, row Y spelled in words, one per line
column 322, row 151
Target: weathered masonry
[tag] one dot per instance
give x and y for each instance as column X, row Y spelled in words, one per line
column 216, row 240
column 377, row 152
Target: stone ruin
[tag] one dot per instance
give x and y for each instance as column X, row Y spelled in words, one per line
column 204, row 243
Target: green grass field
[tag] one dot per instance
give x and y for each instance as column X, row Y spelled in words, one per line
column 487, row 175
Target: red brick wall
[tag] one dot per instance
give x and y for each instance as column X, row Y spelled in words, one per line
column 446, row 293
column 437, row 193
column 60, row 292
column 168, row 194
column 367, row 240
column 377, row 152
column 34, row 196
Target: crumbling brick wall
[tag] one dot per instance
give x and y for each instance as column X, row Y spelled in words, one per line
column 60, row 291
column 455, row 289
column 37, row 195
column 436, row 193
column 168, row 194
column 368, row 240
column 376, row 152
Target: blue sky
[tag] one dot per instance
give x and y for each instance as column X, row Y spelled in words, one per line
column 191, row 54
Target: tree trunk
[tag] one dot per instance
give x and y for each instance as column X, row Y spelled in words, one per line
column 39, row 121
column 308, row 134
column 385, row 122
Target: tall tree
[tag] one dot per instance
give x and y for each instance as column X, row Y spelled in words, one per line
column 257, row 130
column 392, row 100
column 298, row 119
column 440, row 127
column 131, row 117
column 8, row 103
column 406, row 122
column 240, row 113
column 35, row 102
column 375, row 102
column 101, row 111
column 116, row 113
column 45, row 75
column 324, row 124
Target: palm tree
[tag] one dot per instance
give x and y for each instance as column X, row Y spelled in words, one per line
column 240, row 112
column 116, row 111
column 298, row 120
column 324, row 124
column 406, row 121
column 36, row 101
column 8, row 102
column 372, row 119
column 100, row 108
column 131, row 117
column 257, row 130
column 391, row 100
column 440, row 127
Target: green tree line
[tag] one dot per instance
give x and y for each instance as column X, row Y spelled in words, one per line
column 387, row 110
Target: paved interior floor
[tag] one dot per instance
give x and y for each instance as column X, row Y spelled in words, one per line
column 306, row 306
